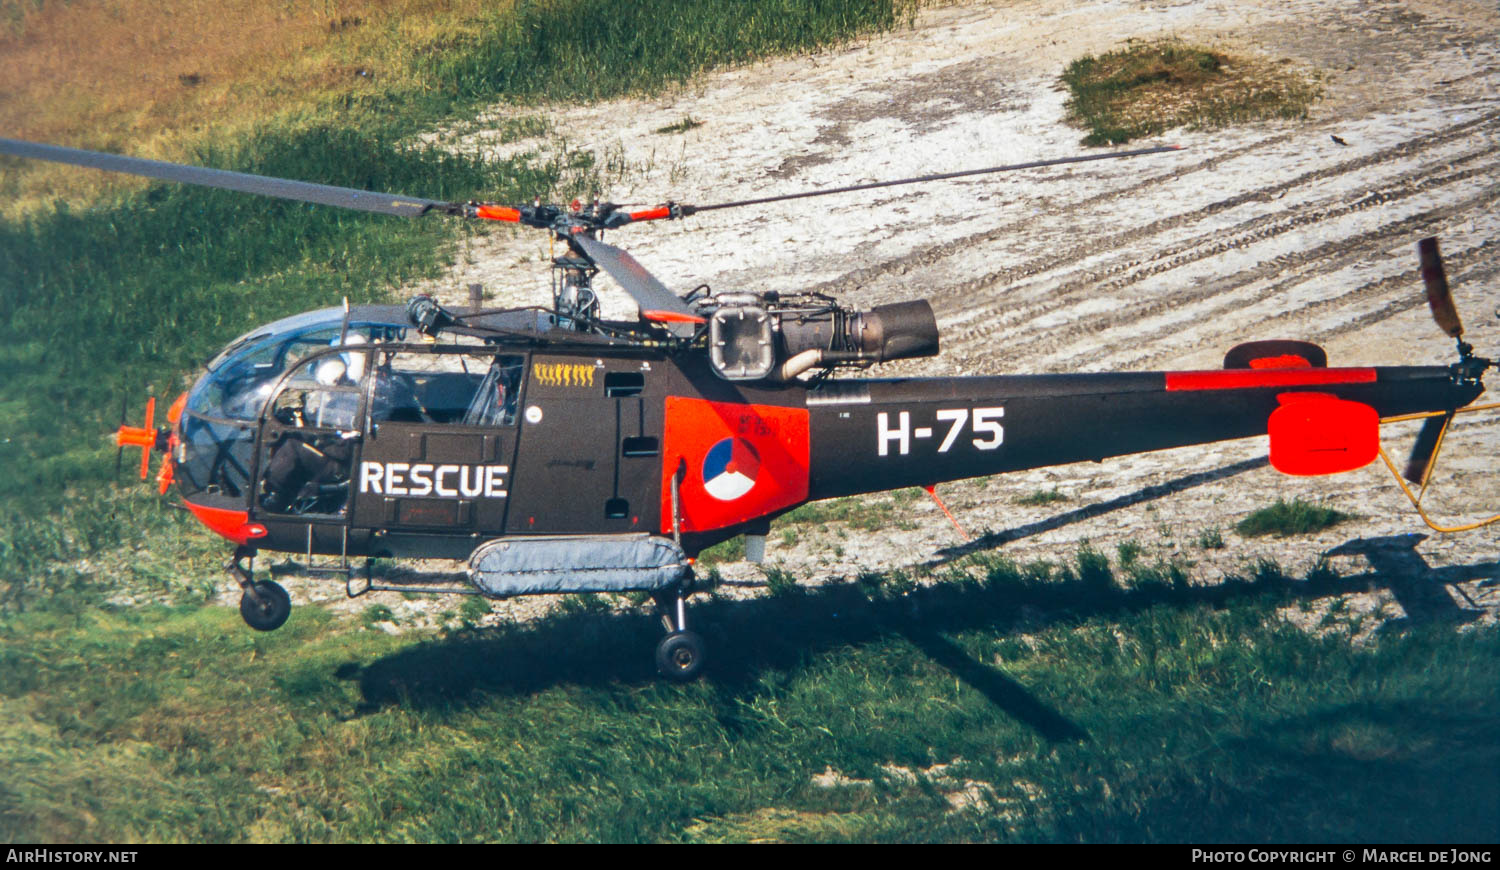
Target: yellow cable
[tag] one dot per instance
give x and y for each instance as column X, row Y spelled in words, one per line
column 1416, row 500
column 1422, row 415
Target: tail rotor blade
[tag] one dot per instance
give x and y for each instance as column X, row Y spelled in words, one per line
column 120, row 451
column 1419, row 463
column 1439, row 298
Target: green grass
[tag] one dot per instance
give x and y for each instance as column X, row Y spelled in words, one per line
column 866, row 513
column 565, row 51
column 687, row 123
column 1040, row 498
column 732, row 550
column 1074, row 714
column 1148, row 87
column 1284, row 518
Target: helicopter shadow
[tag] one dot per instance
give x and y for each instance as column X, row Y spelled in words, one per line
column 1425, row 594
column 749, row 642
column 758, row 642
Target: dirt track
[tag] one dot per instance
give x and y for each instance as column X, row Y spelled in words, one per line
column 1268, row 230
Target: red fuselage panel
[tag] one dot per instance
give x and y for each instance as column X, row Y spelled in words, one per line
column 740, row 461
column 1250, row 379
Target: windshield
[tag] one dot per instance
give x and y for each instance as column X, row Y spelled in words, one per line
column 240, row 378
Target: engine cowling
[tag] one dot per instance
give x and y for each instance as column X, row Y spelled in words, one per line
column 755, row 336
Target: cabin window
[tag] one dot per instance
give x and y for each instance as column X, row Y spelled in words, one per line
column 240, row 379
column 309, row 445
column 499, row 394
column 323, row 393
column 453, row 388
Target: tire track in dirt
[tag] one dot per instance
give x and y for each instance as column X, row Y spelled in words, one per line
column 1210, row 243
column 1115, row 278
column 1238, row 292
column 1026, row 300
column 1127, row 239
column 1401, row 292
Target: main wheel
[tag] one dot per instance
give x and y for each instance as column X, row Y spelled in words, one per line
column 679, row 656
column 270, row 611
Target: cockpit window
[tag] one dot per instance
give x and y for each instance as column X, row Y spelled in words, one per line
column 240, row 379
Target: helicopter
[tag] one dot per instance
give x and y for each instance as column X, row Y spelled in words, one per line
column 555, row 451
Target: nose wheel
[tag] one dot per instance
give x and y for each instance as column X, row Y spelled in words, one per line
column 264, row 605
column 267, row 607
column 680, row 655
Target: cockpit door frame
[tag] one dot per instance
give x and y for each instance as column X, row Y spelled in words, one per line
column 454, row 477
column 336, row 448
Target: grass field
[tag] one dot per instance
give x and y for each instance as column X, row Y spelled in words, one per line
column 1095, row 700
column 1017, row 704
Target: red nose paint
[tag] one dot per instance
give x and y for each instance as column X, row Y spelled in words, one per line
column 232, row 524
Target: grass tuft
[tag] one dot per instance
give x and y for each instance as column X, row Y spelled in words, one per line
column 375, row 614
column 1040, row 498
column 732, row 550
column 1211, row 539
column 781, row 582
column 1148, row 87
column 1285, row 518
column 687, row 123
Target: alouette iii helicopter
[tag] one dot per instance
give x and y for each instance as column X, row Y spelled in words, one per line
column 557, row 451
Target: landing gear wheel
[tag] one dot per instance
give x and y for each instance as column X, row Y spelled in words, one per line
column 270, row 610
column 679, row 656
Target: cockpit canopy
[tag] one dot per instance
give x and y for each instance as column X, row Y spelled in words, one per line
column 240, row 378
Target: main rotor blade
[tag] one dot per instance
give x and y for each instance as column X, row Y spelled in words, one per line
column 1439, row 297
column 656, row 301
column 942, row 176
column 242, row 182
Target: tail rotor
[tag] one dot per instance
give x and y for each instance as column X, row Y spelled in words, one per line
column 1468, row 371
column 147, row 437
column 1469, row 367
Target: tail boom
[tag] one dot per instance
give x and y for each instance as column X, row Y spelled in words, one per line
column 871, row 435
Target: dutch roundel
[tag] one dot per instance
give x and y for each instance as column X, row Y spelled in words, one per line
column 729, row 469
